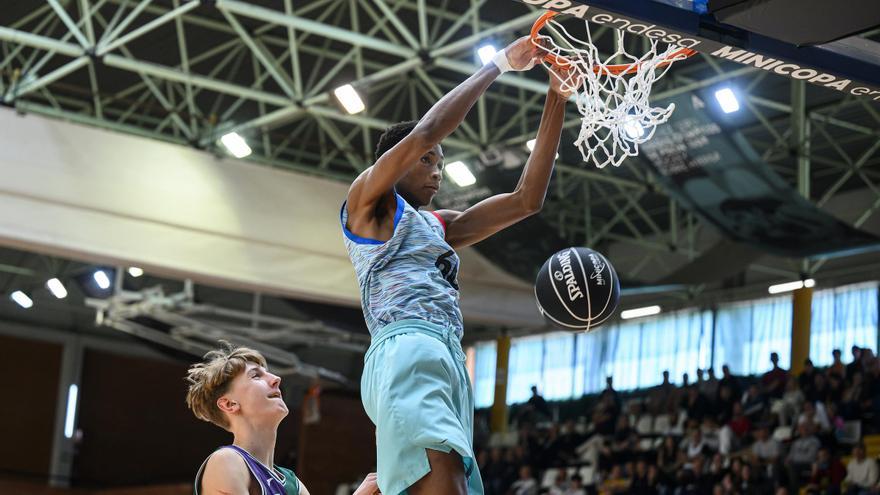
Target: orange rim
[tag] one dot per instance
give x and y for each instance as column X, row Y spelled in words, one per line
column 560, row 61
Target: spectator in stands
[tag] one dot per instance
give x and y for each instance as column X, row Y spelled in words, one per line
column 837, row 367
column 856, row 364
column 753, row 402
column 496, row 473
column 814, row 414
column 658, row 399
column 696, row 445
column 609, row 391
column 729, row 381
column 538, row 404
column 709, row 388
column 558, row 486
column 807, row 377
column 604, row 415
column 525, row 484
column 803, row 453
column 724, row 405
column 854, row 397
column 696, row 405
column 827, row 473
column 641, row 483
column 836, row 386
column 739, row 423
column 773, row 381
column 576, row 486
column 668, row 456
column 861, row 472
column 765, row 449
column 615, row 482
column 787, row 408
column 820, row 390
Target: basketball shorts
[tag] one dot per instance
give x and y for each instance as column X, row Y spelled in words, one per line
column 416, row 390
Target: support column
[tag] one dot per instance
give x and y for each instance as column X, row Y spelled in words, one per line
column 66, row 407
column 802, row 302
column 498, row 422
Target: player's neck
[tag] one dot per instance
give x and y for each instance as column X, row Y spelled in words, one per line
column 258, row 441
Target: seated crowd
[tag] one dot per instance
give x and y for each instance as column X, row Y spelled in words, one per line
column 773, row 434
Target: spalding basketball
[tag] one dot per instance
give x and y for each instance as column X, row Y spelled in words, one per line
column 577, row 288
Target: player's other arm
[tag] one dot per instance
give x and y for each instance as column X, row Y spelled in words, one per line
column 503, row 210
column 444, row 117
column 225, row 474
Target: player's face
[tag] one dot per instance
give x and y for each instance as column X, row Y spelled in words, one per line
column 422, row 182
column 258, row 394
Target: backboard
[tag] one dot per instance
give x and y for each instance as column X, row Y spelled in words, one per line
column 820, row 42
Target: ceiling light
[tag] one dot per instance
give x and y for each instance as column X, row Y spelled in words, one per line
column 236, row 145
column 727, row 99
column 460, row 174
column 640, row 312
column 57, row 288
column 135, row 271
column 102, row 279
column 790, row 286
column 633, row 129
column 22, row 299
column 349, row 98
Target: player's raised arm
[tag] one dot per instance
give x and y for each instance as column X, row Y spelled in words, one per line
column 503, row 210
column 443, row 118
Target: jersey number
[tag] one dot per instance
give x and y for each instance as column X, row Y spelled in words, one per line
column 447, row 268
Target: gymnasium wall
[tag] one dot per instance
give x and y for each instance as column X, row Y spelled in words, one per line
column 29, row 371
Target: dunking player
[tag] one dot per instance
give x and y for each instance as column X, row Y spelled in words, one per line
column 415, row 386
column 233, row 389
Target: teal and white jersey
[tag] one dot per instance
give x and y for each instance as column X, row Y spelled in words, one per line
column 412, row 276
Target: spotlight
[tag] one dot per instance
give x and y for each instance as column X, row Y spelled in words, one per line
column 102, row 279
column 349, row 98
column 727, row 99
column 640, row 312
column 460, row 174
column 486, row 52
column 236, row 145
column 22, row 299
column 135, row 271
column 57, row 288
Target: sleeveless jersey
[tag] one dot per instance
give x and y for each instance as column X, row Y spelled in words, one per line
column 413, row 275
column 279, row 481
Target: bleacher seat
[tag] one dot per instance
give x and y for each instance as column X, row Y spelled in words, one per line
column 662, row 425
column 645, row 424
column 549, row 478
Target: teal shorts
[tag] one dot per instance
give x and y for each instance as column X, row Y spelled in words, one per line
column 416, row 390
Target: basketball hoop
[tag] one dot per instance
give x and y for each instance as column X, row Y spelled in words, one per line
column 611, row 96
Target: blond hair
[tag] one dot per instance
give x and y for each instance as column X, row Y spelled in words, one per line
column 210, row 379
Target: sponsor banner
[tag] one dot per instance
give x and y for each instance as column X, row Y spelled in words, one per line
column 785, row 67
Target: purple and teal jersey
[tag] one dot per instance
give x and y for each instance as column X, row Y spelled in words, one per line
column 412, row 276
column 276, row 481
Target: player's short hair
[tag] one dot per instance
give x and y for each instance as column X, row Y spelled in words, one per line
column 210, row 379
column 393, row 135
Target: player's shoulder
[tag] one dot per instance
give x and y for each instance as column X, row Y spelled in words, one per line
column 225, row 470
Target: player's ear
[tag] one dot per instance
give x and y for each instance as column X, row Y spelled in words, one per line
column 228, row 405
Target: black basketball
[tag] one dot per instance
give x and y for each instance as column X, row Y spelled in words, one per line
column 577, row 288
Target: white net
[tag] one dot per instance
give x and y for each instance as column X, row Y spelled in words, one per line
column 611, row 93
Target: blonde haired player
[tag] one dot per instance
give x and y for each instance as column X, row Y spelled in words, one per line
column 233, row 389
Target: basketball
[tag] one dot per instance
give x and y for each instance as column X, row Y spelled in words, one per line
column 577, row 288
